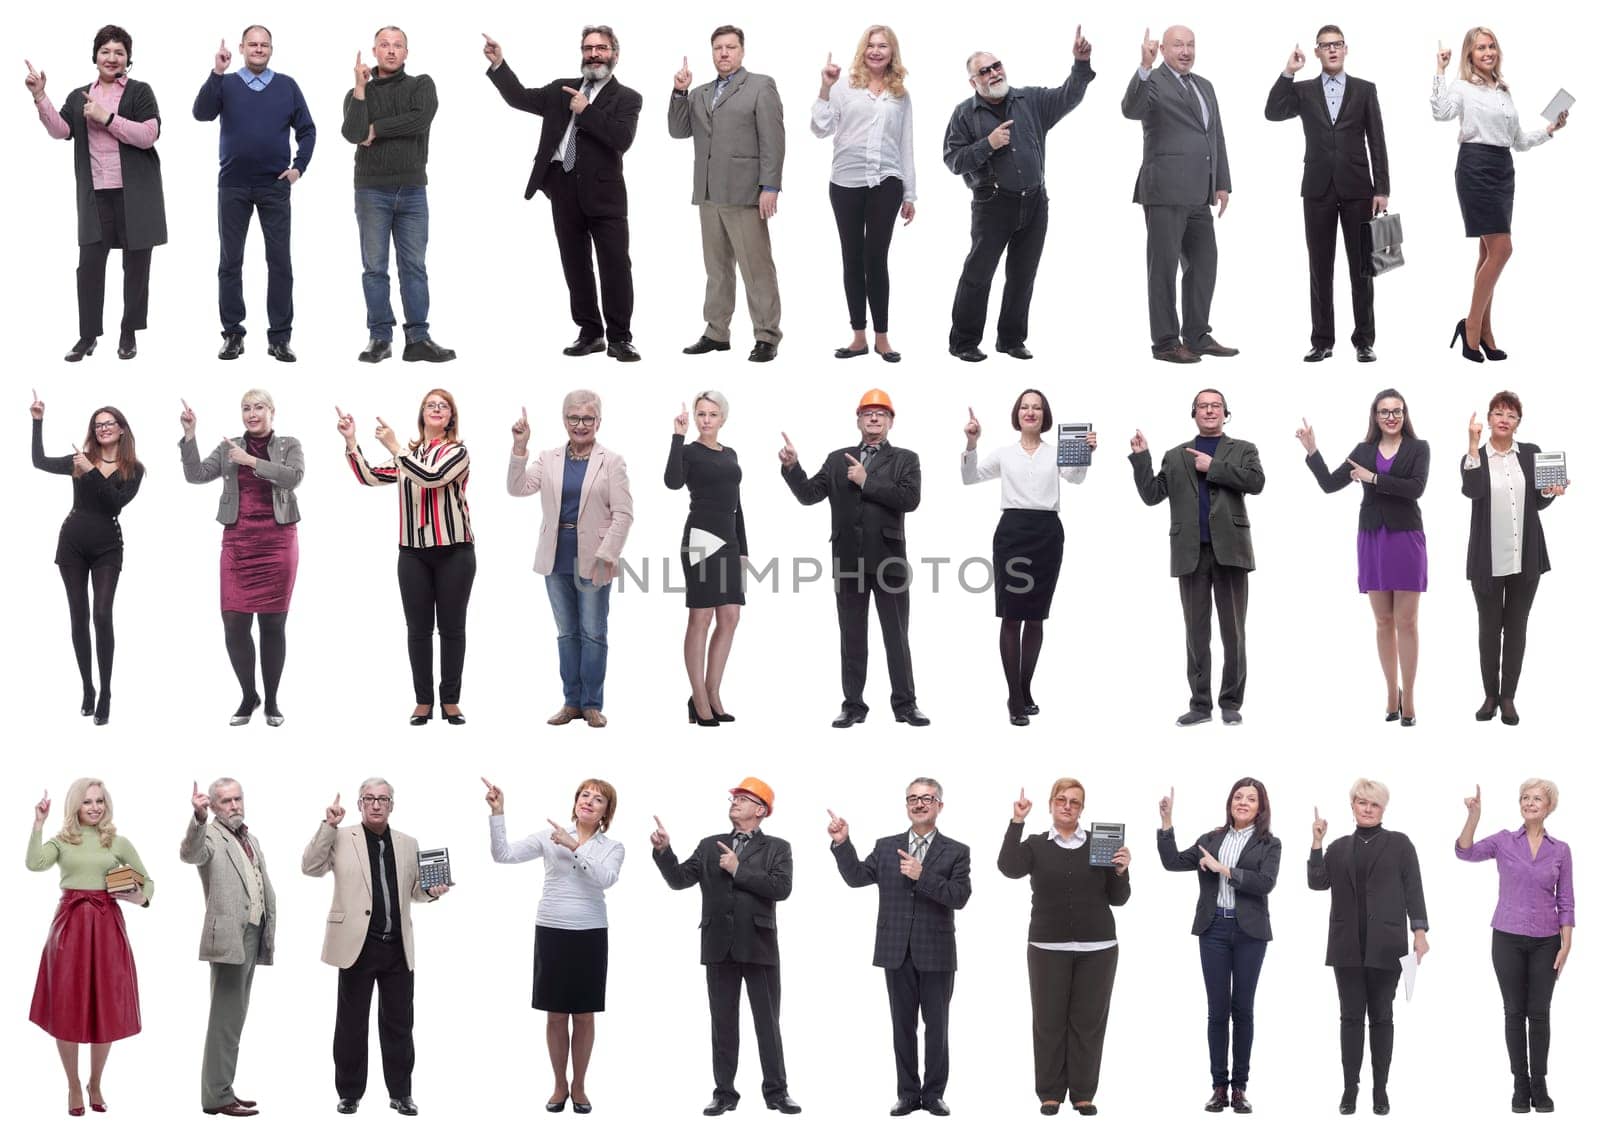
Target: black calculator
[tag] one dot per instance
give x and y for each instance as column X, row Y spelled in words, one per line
column 1072, row 445
column 1104, row 840
column 1549, row 470
column 433, row 868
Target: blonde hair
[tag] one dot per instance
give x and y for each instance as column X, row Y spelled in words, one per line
column 1466, row 69
column 71, row 828
column 1373, row 790
column 260, row 394
column 894, row 74
column 452, row 430
column 1551, row 794
column 1065, row 783
column 714, row 397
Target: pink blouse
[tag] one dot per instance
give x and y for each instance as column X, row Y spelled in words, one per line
column 105, row 160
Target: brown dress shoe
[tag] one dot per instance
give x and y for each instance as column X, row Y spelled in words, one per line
column 232, row 1109
column 1210, row 348
column 1176, row 354
column 564, row 714
column 595, row 718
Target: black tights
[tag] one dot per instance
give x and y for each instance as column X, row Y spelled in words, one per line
column 242, row 655
column 76, row 578
column 1020, row 643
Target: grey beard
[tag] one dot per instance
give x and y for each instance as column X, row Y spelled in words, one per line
column 999, row 90
column 232, row 823
column 596, row 72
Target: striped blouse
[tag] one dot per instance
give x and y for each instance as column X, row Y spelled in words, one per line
column 433, row 491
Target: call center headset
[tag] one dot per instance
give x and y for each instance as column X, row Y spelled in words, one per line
column 1194, row 404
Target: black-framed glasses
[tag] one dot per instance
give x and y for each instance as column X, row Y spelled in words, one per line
column 991, row 68
column 102, row 425
column 739, row 796
column 1391, row 413
column 380, row 801
column 926, row 798
column 1335, row 44
column 582, row 421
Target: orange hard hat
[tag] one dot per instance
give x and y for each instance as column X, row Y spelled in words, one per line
column 759, row 789
column 876, row 398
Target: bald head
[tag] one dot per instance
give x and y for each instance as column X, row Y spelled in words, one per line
column 1177, row 48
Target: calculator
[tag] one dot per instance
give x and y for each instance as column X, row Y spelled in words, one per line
column 1072, row 445
column 433, row 868
column 1549, row 469
column 1104, row 840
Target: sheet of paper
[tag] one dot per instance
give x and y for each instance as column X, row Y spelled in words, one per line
column 1408, row 973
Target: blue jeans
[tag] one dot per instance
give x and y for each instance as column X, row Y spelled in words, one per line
column 400, row 212
column 1230, row 960
column 580, row 610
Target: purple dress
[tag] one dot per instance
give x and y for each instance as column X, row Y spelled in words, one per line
column 1391, row 560
column 259, row 555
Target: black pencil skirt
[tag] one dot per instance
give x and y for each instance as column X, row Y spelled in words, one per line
column 1486, row 182
column 569, row 970
column 1027, row 562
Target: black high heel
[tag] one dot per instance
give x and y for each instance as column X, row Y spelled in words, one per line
column 1394, row 714
column 1407, row 721
column 422, row 718
column 1467, row 350
column 456, row 718
column 247, row 708
column 88, row 701
column 720, row 716
column 102, row 708
column 1490, row 351
column 704, row 722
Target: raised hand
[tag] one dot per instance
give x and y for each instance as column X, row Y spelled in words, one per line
column 1080, row 46
column 561, row 836
column 36, row 409
column 520, row 433
column 838, row 829
column 684, row 78
column 34, row 83
column 347, row 427
column 786, row 454
column 200, row 802
column 579, row 101
column 363, row 75
column 830, row 72
column 334, row 813
column 1001, row 135
column 1147, row 51
column 186, row 419
column 1319, row 827
column 385, row 436
column 1297, row 60
column 1474, row 802
column 1021, row 808
column 1474, row 434
column 910, row 866
column 1307, row 438
column 973, row 429
column 1165, row 807
column 680, row 422
column 659, row 840
column 491, row 51
column 854, row 471
column 494, row 798
column 1443, row 57
column 728, row 862
column 1202, row 460
column 42, row 809
column 1138, row 444
column 224, row 57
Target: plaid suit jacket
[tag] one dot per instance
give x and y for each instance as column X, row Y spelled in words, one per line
column 916, row 918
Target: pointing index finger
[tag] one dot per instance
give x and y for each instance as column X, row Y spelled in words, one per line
column 724, row 847
column 659, row 826
column 336, row 798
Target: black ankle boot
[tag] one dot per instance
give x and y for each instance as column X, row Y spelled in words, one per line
column 1521, row 1096
column 1540, row 1096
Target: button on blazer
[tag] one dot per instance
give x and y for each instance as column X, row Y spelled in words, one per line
column 284, row 467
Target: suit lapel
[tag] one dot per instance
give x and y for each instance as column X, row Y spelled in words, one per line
column 597, row 458
column 236, row 855
column 1184, row 99
column 358, row 842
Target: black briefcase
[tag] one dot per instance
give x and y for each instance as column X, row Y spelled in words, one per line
column 1380, row 245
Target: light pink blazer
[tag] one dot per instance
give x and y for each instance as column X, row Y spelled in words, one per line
column 605, row 506
column 343, row 851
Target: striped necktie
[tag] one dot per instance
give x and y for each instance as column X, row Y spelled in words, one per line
column 569, row 157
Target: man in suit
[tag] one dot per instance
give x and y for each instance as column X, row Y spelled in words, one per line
column 241, row 916
column 589, row 123
column 923, row 878
column 1205, row 482
column 742, row 877
column 736, row 122
column 256, row 176
column 1342, row 123
column 375, row 878
column 869, row 489
column 1183, row 172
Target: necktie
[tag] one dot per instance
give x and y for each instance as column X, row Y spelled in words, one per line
column 740, row 839
column 722, row 85
column 388, row 901
column 919, row 848
column 1194, row 95
column 868, row 454
column 569, row 156
column 243, row 836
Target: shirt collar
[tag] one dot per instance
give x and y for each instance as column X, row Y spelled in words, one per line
column 1081, row 835
column 253, row 81
column 1247, row 831
column 911, row 835
column 1490, row 448
column 1337, row 80
column 724, row 80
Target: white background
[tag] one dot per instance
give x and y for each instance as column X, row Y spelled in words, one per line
column 1111, row 678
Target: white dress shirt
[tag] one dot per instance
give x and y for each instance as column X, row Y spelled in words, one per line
column 1487, row 114
column 871, row 137
column 1508, row 497
column 1233, row 842
column 575, row 883
column 1029, row 483
column 572, row 124
column 1077, row 840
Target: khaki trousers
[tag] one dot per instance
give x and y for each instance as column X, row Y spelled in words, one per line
column 730, row 235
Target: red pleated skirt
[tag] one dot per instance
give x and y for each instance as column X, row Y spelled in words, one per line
column 87, row 990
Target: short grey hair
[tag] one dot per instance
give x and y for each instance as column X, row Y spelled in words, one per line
column 1548, row 787
column 222, row 782
column 974, row 56
column 1373, row 790
column 260, row 394
column 714, row 397
column 938, row 788
column 578, row 397
column 373, row 782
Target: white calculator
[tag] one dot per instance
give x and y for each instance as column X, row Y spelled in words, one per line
column 1072, row 445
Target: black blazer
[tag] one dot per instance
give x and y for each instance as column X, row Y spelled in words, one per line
column 869, row 522
column 738, row 913
column 1336, row 153
column 1475, row 486
column 143, row 204
column 1395, row 906
column 1390, row 500
column 916, row 918
column 1255, row 873
column 605, row 131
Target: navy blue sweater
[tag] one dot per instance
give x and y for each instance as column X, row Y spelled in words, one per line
column 254, row 146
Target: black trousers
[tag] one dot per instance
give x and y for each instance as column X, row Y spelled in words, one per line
column 1230, row 586
column 235, row 204
column 1012, row 224
column 1179, row 237
column 92, row 271
column 576, row 231
column 1503, row 607
column 865, row 216
column 891, row 591
column 1366, row 995
column 761, row 983
column 436, row 583
column 1525, row 965
column 910, row 991
column 1325, row 216
column 1071, row 993
column 383, row 964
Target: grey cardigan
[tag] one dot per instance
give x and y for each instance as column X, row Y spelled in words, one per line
column 283, row 467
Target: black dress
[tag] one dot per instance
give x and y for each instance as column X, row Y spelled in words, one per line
column 712, row 578
column 90, row 536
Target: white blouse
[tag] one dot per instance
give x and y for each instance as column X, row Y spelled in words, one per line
column 575, row 883
column 1030, row 483
column 1487, row 114
column 871, row 137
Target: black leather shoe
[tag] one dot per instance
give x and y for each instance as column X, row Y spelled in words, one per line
column 1175, row 354
column 1087, row 1110
column 847, row 719
column 282, row 352
column 404, row 1106
column 890, row 357
column 707, row 345
column 127, row 346
column 232, row 347
column 83, row 347
column 1380, row 1102
column 1521, row 1095
column 1232, row 717
column 1211, row 348
column 456, row 718
column 1019, row 351
column 844, row 355
column 1193, row 717
column 783, row 1103
column 348, row 1104
column 719, row 1106
column 1049, row 1108
column 422, row 718
column 937, row 1107
column 1542, row 1102
column 971, row 356
column 102, row 708
column 1019, row 719
column 375, row 351
column 905, row 1106
column 556, row 1106
column 1508, row 712
column 763, row 352
column 583, row 346
column 1347, row 1101
column 582, row 1106
column 1219, row 1100
column 1365, row 355
column 623, row 351
column 428, row 350
column 1031, row 709
column 1316, row 355
column 1487, row 710
column 913, row 716
column 1239, row 1102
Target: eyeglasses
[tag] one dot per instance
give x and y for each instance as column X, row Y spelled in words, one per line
column 436, row 406
column 1336, row 45
column 582, row 421
column 991, row 68
column 1505, row 414
column 102, row 425
column 1064, row 801
column 1391, row 413
column 738, row 798
column 377, row 801
column 1210, row 406
column 925, row 798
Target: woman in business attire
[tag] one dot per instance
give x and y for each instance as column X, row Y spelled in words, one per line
column 1237, row 865
column 1485, row 180
column 587, row 510
column 1505, row 548
column 569, row 935
column 713, row 580
column 1028, row 541
column 1532, row 923
column 106, row 474
column 874, row 177
column 87, row 989
column 113, row 124
column 1072, row 945
column 1377, row 897
column 1391, row 465
column 437, row 563
column 260, row 549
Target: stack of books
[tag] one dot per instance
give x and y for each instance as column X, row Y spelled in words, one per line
column 123, row 878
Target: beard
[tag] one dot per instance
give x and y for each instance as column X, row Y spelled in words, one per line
column 999, row 89
column 232, row 823
column 597, row 71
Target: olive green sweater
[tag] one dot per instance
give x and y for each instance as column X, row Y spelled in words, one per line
column 84, row 866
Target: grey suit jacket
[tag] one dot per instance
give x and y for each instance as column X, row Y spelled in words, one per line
column 284, row 466
column 738, row 144
column 223, row 868
column 1185, row 161
column 1235, row 472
